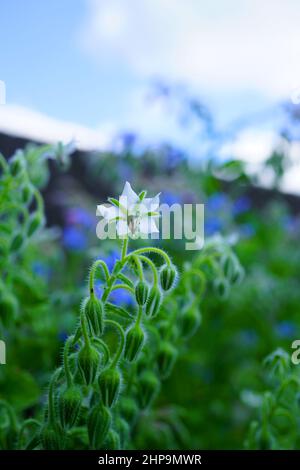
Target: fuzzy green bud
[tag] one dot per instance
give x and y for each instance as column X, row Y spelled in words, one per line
column 189, row 322
column 154, row 302
column 166, row 358
column 53, row 438
column 88, row 363
column 167, row 277
column 94, row 312
column 134, row 341
column 26, row 193
column 35, row 222
column 124, row 430
column 17, row 242
column 69, row 405
column 16, row 166
column 109, row 385
column 141, row 292
column 222, row 287
column 148, row 387
column 98, row 424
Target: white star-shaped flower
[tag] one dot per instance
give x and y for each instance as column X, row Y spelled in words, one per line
column 134, row 214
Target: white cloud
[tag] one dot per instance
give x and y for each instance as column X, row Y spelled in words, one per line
column 24, row 122
column 222, row 44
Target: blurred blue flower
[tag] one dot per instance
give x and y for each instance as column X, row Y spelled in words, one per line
column 212, row 226
column 79, row 216
column 62, row 336
column 173, row 158
column 170, row 198
column 41, row 269
column 286, row 329
column 247, row 230
column 119, row 297
column 128, row 139
column 241, row 205
column 248, row 337
column 74, row 239
column 216, row 201
column 110, row 259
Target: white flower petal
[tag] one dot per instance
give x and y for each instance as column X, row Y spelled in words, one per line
column 108, row 212
column 128, row 196
column 152, row 203
column 147, row 225
column 122, row 228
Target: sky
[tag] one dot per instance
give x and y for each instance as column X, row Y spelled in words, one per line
column 84, row 68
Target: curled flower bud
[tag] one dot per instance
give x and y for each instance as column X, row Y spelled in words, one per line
column 189, row 322
column 141, row 292
column 53, row 438
column 166, row 358
column 231, row 268
column 167, row 277
column 148, row 387
column 98, row 424
column 94, row 312
column 88, row 363
column 16, row 166
column 134, row 341
column 69, row 404
column 109, row 384
column 26, row 194
column 154, row 302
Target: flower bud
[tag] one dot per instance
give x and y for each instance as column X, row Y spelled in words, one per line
column 167, row 277
column 123, row 429
column 35, row 222
column 148, row 387
column 134, row 341
column 166, row 358
column 141, row 292
column 112, row 441
column 128, row 409
column 222, row 287
column 109, row 384
column 98, row 424
column 88, row 363
column 189, row 322
column 154, row 302
column 26, row 194
column 94, row 312
column 53, row 438
column 69, row 404
column 16, row 166
column 17, row 242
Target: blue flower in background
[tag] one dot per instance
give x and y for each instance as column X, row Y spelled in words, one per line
column 110, row 259
column 212, row 226
column 128, row 139
column 119, row 297
column 74, row 239
column 286, row 329
column 217, row 202
column 41, row 269
column 170, row 198
column 247, row 230
column 79, row 216
column 62, row 336
column 241, row 205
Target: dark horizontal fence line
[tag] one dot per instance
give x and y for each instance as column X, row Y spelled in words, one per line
column 9, row 144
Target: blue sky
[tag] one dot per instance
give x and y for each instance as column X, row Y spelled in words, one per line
column 91, row 62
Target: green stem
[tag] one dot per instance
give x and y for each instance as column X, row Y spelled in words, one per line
column 11, row 414
column 104, row 347
column 139, row 267
column 139, row 316
column 122, row 343
column 95, row 265
column 124, row 248
column 66, row 360
column 28, row 422
column 123, row 286
column 152, row 249
column 51, row 406
column 152, row 266
column 84, row 331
